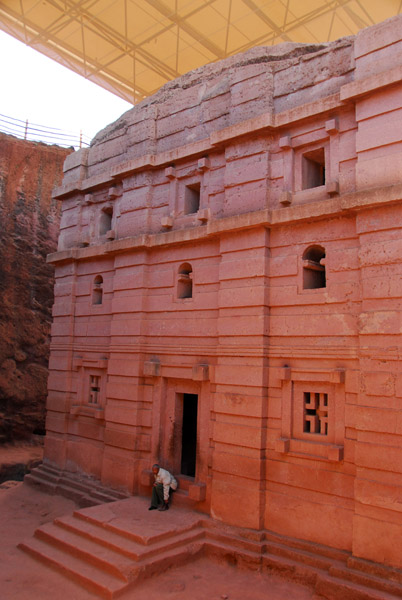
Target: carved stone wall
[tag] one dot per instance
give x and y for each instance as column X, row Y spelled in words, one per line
column 236, row 239
column 29, row 230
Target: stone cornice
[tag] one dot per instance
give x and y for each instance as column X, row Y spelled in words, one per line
column 347, row 203
column 359, row 88
column 264, row 122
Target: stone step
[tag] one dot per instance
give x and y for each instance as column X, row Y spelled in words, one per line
column 124, row 545
column 104, row 569
column 37, row 480
column 370, row 581
column 278, row 549
column 333, row 588
column 291, row 561
column 293, row 569
column 85, row 492
column 319, row 549
column 87, row 550
column 76, row 484
column 88, row 576
column 104, row 496
column 74, row 494
column 45, row 466
column 44, row 474
column 184, row 482
column 93, row 488
column 154, row 565
column 86, row 501
column 91, row 517
column 235, row 541
column 382, row 571
column 302, row 556
column 181, row 498
column 234, row 556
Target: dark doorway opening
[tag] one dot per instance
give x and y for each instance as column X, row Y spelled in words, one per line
column 189, row 435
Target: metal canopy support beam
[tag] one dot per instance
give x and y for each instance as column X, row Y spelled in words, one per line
column 92, row 37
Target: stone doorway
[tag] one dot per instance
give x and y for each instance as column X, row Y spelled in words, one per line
column 189, row 434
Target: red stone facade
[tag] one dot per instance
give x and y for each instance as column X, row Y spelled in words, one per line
column 229, row 291
column 29, row 227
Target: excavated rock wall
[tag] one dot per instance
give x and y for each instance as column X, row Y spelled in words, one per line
column 29, row 229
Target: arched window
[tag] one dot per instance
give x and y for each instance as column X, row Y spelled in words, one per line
column 185, row 281
column 314, row 268
column 105, row 221
column 97, row 290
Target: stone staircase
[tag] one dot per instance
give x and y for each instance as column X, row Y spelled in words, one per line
column 84, row 490
column 105, row 554
column 334, row 574
column 107, row 548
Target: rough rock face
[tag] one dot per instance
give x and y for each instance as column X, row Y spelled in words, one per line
column 29, row 229
column 215, row 96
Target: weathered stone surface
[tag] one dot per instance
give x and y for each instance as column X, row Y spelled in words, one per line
column 250, row 256
column 29, row 230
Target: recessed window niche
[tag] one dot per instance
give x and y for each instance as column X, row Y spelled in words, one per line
column 192, row 198
column 97, row 290
column 313, row 169
column 105, row 221
column 185, row 281
column 94, row 389
column 314, row 268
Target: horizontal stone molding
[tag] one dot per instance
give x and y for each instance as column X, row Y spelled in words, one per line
column 264, row 122
column 313, row 450
column 353, row 202
column 78, row 410
column 327, row 375
column 200, row 372
column 359, row 88
column 94, row 363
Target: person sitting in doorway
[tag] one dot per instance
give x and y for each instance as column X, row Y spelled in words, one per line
column 163, row 485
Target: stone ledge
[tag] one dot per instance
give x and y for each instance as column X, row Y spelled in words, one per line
column 355, row 89
column 264, row 218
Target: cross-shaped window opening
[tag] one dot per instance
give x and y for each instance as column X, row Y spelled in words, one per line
column 94, row 389
column 315, row 413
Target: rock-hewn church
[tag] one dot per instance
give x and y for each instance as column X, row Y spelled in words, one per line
column 228, row 296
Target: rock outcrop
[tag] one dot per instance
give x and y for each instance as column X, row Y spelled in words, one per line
column 29, row 229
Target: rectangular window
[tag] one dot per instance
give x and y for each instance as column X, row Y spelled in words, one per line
column 313, row 169
column 315, row 413
column 94, row 389
column 192, row 198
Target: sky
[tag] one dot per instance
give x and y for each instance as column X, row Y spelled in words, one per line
column 37, row 88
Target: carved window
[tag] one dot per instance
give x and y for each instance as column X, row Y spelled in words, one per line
column 314, row 275
column 90, row 398
column 313, row 169
column 192, row 198
column 315, row 414
column 105, row 221
column 312, row 413
column 97, row 290
column 94, row 389
column 185, row 281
